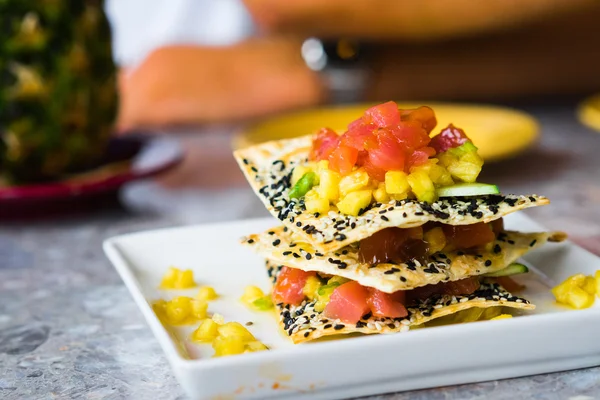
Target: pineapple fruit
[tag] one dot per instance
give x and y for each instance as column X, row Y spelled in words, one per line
column 57, row 88
column 577, row 291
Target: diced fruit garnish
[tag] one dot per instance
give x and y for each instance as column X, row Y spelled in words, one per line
column 386, row 304
column 324, row 144
column 467, row 236
column 206, row 332
column 439, row 175
column 502, row 316
column 264, row 303
column 207, row 293
column 199, row 308
column 348, row 303
column 228, row 346
column 329, row 185
column 357, row 180
column 512, row 269
column 467, row 189
column 436, row 239
column 311, row 287
column 380, row 194
column 317, row 205
column 597, row 277
column 463, row 162
column 575, row 291
column 180, row 310
column 396, row 182
column 303, row 185
column 299, row 172
column 448, row 138
column 422, row 185
column 290, row 285
column 251, row 293
column 235, row 329
column 218, row 318
column 354, row 202
column 178, row 279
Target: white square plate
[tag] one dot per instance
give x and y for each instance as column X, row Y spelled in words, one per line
column 551, row 338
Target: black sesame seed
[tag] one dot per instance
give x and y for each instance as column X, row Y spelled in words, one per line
column 298, row 224
column 328, row 326
column 293, row 245
column 353, row 225
column 419, row 213
column 287, row 253
column 367, row 316
column 342, row 265
column 276, row 242
column 532, row 199
column 497, row 249
column 360, row 324
column 316, row 215
column 533, row 242
column 253, row 169
column 510, row 241
column 319, row 254
column 383, row 217
column 488, row 263
column 403, row 279
column 391, row 326
column 340, row 237
column 250, row 241
column 404, row 215
column 308, row 256
column 306, row 333
column 296, row 255
column 245, row 160
column 338, row 327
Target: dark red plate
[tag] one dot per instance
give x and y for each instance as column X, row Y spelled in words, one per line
column 127, row 159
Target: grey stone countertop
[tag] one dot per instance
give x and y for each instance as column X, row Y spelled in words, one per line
column 69, row 329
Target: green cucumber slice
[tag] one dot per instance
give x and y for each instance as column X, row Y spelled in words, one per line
column 512, row 269
column 467, row 189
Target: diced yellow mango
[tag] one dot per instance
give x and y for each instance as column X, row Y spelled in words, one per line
column 207, row 293
column 218, row 318
column 356, row 180
column 329, row 185
column 396, row 182
column 464, row 171
column 422, row 186
column 235, row 329
column 597, row 277
column 380, row 194
column 436, row 239
column 251, row 293
column 206, row 332
column 579, row 298
column 298, row 173
column 440, row 175
column 177, row 279
column 354, row 202
column 589, row 285
column 255, row 346
column 227, row 346
column 199, row 308
column 502, row 316
column 311, row 287
column 317, row 205
column 472, row 157
column 322, row 165
column 446, row 159
column 178, row 309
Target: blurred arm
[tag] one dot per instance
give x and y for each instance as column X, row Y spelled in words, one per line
column 402, row 20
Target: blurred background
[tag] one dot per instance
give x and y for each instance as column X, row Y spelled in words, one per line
column 206, row 75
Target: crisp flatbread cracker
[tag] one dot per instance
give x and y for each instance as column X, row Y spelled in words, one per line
column 288, row 249
column 268, row 168
column 302, row 323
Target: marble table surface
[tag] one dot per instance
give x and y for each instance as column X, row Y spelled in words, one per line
column 69, row 329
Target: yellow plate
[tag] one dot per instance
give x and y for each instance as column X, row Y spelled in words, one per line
column 498, row 132
column 589, row 112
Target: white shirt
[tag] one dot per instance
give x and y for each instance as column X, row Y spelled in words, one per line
column 140, row 26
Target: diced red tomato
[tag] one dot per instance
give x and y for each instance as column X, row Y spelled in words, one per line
column 343, row 159
column 289, row 285
column 509, row 284
column 324, row 143
column 419, row 157
column 383, row 115
column 348, row 302
column 386, row 305
column 467, row 236
column 423, row 114
column 385, row 139
column 411, row 135
column 450, row 137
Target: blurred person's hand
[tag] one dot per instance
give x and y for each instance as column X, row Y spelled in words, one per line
column 549, row 53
